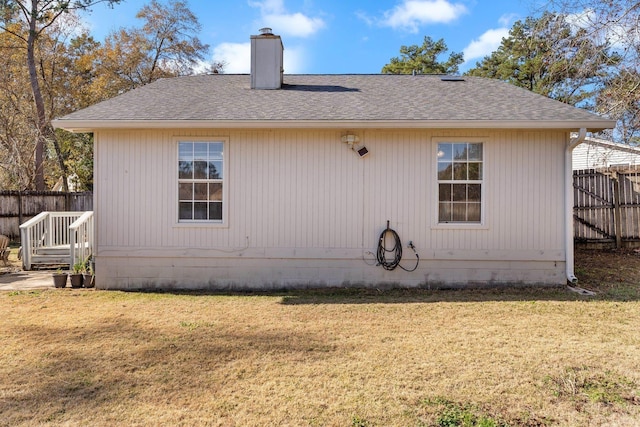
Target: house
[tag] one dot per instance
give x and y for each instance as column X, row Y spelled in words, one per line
column 597, row 153
column 268, row 181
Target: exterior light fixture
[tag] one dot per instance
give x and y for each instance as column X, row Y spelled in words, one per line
column 352, row 141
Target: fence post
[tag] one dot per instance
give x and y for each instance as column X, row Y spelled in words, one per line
column 617, row 213
column 20, row 219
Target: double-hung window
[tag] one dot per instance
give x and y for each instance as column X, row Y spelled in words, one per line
column 460, row 182
column 200, row 181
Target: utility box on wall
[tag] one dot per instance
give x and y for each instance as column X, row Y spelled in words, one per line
column 266, row 60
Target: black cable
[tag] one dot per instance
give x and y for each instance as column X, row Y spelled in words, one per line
column 381, row 255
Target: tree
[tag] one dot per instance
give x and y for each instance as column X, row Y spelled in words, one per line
column 617, row 22
column 74, row 71
column 549, row 56
column 38, row 16
column 165, row 46
column 614, row 20
column 620, row 98
column 16, row 158
column 424, row 59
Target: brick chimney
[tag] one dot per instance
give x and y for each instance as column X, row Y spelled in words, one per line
column 266, row 60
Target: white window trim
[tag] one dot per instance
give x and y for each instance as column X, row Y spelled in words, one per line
column 225, row 183
column 486, row 153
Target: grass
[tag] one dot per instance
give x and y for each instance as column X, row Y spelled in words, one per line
column 515, row 357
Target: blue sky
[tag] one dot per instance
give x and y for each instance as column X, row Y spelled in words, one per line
column 336, row 36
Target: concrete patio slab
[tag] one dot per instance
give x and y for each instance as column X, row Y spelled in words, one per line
column 25, row 280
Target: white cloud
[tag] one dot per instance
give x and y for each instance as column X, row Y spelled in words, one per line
column 294, row 60
column 275, row 15
column 485, row 44
column 269, row 6
column 411, row 14
column 237, row 58
column 585, row 19
column 619, row 33
column 362, row 15
column 508, row 19
column 295, row 24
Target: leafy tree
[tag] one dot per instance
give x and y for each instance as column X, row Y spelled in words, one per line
column 38, row 16
column 16, row 157
column 74, row 71
column 165, row 46
column 424, row 59
column 549, row 56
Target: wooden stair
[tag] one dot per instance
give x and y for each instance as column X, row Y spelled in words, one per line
column 51, row 256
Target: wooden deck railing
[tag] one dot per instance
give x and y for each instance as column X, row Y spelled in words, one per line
column 81, row 238
column 57, row 230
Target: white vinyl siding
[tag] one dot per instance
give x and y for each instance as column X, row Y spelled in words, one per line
column 304, row 195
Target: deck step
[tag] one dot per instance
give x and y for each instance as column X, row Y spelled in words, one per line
column 50, row 259
column 55, row 251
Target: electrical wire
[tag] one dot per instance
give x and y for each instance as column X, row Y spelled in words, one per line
column 396, row 251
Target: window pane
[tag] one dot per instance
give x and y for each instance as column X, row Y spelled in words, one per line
column 445, row 171
column 200, row 170
column 200, row 191
column 215, row 211
column 459, row 213
column 444, row 152
column 200, row 151
column 185, row 191
column 460, row 171
column 200, row 210
column 185, row 170
column 215, row 192
column 475, row 151
column 460, row 151
column 444, row 192
column 215, row 170
column 215, row 151
column 444, row 212
column 473, row 212
column 474, row 192
column 185, row 151
column 459, row 192
column 475, row 171
column 185, row 211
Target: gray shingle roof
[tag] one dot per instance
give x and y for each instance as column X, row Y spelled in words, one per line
column 224, row 98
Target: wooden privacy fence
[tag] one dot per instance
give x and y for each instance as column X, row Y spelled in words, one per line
column 607, row 206
column 17, row 207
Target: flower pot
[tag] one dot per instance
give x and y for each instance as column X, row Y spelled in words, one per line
column 76, row 280
column 60, row 280
column 88, row 280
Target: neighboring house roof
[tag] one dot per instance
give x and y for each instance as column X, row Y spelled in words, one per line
column 596, row 153
column 374, row 101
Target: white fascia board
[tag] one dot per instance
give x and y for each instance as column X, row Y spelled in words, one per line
column 92, row 125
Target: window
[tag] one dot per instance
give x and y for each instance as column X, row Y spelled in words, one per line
column 459, row 182
column 200, row 181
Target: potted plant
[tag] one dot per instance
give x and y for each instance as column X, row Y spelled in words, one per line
column 88, row 274
column 60, row 279
column 76, row 275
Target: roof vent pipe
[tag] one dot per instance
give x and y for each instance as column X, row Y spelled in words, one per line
column 266, row 31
